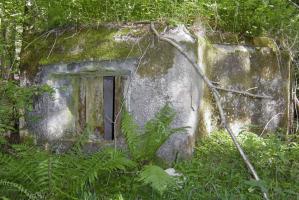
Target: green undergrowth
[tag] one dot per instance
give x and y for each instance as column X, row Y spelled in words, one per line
column 14, row 99
column 218, row 172
column 215, row 172
column 29, row 172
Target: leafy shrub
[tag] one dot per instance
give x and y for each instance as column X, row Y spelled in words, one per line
column 14, row 99
column 218, row 172
column 215, row 172
column 251, row 17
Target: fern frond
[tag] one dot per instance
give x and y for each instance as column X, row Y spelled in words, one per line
column 80, row 141
column 20, row 189
column 143, row 147
column 117, row 160
column 17, row 169
column 5, row 159
column 85, row 170
column 156, row 178
column 157, row 131
column 131, row 131
column 46, row 172
column 41, row 170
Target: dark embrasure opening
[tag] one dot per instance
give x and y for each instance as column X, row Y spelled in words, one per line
column 109, row 106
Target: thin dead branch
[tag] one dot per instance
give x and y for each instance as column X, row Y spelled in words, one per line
column 296, row 101
column 294, row 4
column 272, row 118
column 216, row 96
column 245, row 93
column 52, row 47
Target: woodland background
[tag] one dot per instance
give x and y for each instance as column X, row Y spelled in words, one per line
column 215, row 172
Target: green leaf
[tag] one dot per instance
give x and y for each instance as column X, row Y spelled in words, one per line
column 156, row 178
column 131, row 132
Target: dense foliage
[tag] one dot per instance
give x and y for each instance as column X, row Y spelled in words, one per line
column 252, row 17
column 276, row 18
column 27, row 171
column 216, row 172
column 14, row 100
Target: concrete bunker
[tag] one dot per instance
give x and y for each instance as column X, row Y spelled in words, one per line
column 96, row 70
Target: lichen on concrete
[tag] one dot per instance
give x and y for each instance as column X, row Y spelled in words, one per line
column 71, row 45
column 258, row 70
column 157, row 60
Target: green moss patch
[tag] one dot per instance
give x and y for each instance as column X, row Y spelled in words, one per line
column 72, row 45
column 157, row 60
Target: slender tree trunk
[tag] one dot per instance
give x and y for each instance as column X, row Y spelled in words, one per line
column 13, row 39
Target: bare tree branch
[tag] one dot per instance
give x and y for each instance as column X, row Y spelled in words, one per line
column 272, row 118
column 294, row 4
column 216, row 96
column 52, row 47
column 245, row 93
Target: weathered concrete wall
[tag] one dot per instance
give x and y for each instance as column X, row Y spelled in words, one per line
column 164, row 76
column 254, row 69
column 73, row 62
column 58, row 116
column 154, row 73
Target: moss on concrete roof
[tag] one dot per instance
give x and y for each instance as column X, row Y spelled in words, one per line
column 72, row 45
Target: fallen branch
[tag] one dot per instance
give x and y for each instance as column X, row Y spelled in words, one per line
column 243, row 93
column 205, row 78
column 216, row 96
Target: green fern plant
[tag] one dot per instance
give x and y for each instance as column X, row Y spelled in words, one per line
column 30, row 166
column 144, row 145
column 64, row 176
column 40, row 174
column 156, row 178
column 21, row 189
column 132, row 133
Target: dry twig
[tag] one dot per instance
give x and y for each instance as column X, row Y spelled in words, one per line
column 245, row 93
column 272, row 118
column 52, row 47
column 294, row 4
